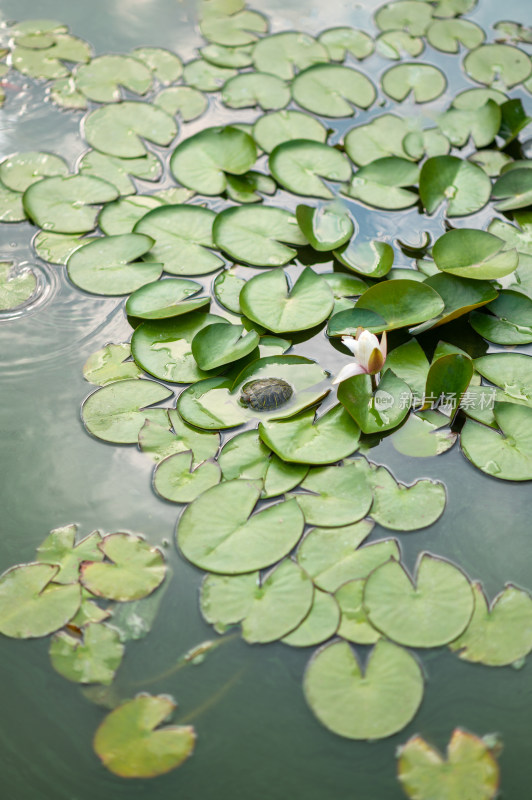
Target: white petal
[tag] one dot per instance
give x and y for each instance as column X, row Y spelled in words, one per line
column 351, row 343
column 367, row 342
column 348, row 372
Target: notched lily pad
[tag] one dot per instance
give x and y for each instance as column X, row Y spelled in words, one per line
column 117, row 412
column 94, row 658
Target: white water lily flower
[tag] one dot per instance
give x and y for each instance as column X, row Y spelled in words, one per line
column 369, row 353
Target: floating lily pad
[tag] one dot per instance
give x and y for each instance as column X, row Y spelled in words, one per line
column 340, row 41
column 332, row 91
column 481, row 124
column 273, row 129
column 245, row 456
column 118, row 130
column 513, row 189
column 498, row 634
column 159, row 441
column 110, row 364
column 165, row 65
column 122, row 215
column 109, row 265
column 132, row 569
column 382, row 183
column 246, row 188
column 222, row 55
column 476, row 254
column 67, row 205
column 31, row 604
column 118, row 171
column 447, row 380
column 460, row 296
column 267, row 300
column 344, row 286
column 464, row 186
column 506, row 455
column 189, row 103
column 406, row 508
column 175, row 480
column 255, row 235
column 47, row 62
column 215, row 403
column 511, row 371
column 335, row 496
column 373, row 259
column 20, row 170
column 182, row 235
column 220, row 344
column 59, row 548
column 404, row 15
column 93, row 659
column 401, row 303
column 233, row 29
column 396, row 44
column 448, row 35
column 300, row 165
column 498, row 63
column 206, row 77
column 380, row 410
column 64, row 93
column 11, row 207
column 227, row 287
column 130, row 744
column 420, row 438
column 283, row 53
column 429, row 142
column 164, row 299
column 509, row 321
column 116, row 412
column 319, row 625
column 251, row 89
column 381, row 137
column 470, row 769
column 424, row 81
column 102, row 79
column 370, row 705
column 409, row 362
column 279, row 605
column 217, row 533
column 88, row 612
column 226, row 599
column 355, row 625
column 17, row 285
column 429, row 611
column 306, row 440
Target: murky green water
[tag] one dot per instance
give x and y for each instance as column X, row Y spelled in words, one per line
column 256, row 736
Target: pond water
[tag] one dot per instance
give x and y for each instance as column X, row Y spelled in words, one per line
column 256, row 735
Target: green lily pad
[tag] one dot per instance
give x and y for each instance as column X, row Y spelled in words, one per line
column 122, row 215
column 206, row 77
column 118, row 171
column 116, row 412
column 255, row 235
column 47, row 62
column 222, row 55
column 165, row 65
column 132, row 569
column 382, row 183
column 29, row 27
column 320, row 624
column 424, row 81
column 429, row 142
column 420, row 438
column 471, row 99
column 226, row 599
column 447, row 380
column 460, row 296
column 409, row 362
column 340, row 41
column 110, row 364
column 401, row 303
column 464, row 186
column 267, row 300
column 118, row 130
column 406, row 508
column 370, row 705
column 373, row 259
column 283, row 53
column 380, row 410
column 251, row 89
column 404, row 15
column 513, row 189
column 93, row 659
column 67, row 205
column 215, row 403
column 279, row 605
column 89, row 612
column 470, row 769
column 429, row 611
column 448, row 35
column 476, row 254
column 510, row 320
column 300, row 165
column 507, row 454
column 511, row 371
column 246, row 188
column 59, row 548
column 159, row 440
column 202, row 161
column 306, row 440
column 189, row 103
column 332, row 556
column 182, row 235
column 164, row 348
column 332, row 91
column 498, row 634
column 220, row 344
column 355, row 625
column 17, row 285
column 109, row 266
column 335, row 496
column 381, row 137
column 396, row 44
column 164, row 299
column 481, row 124
column 130, row 744
column 102, row 79
column 176, row 480
column 514, row 120
column 245, row 456
column 11, row 206
column 217, row 533
column 64, row 93
column 31, row 604
column 21, row 170
column 233, row 29
column 227, row 287
column 273, row 129
column 344, row 286
column 498, row 63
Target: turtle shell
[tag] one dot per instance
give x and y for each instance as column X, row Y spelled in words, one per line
column 266, row 394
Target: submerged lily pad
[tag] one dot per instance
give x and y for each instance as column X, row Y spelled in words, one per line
column 116, row 412
column 93, row 659
column 67, row 205
column 132, row 569
column 217, row 533
column 370, row 705
column 406, row 508
column 256, row 235
column 300, row 165
column 498, row 634
column 130, row 743
column 118, row 130
column 506, row 455
column 470, row 769
column 335, row 496
column 429, row 611
column 31, row 604
column 463, row 185
column 332, row 91
column 176, row 480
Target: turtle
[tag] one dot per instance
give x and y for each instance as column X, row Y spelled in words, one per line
column 266, row 394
